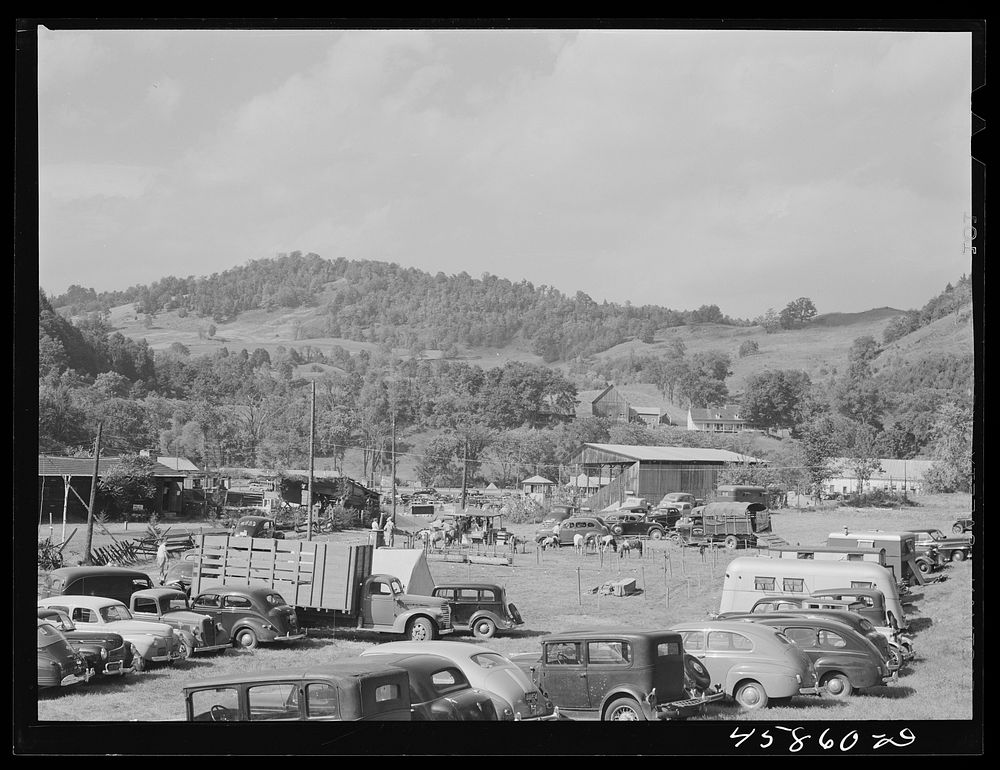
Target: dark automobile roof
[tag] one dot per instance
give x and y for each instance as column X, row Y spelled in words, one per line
column 420, row 667
column 343, row 669
column 469, row 584
column 630, row 633
column 247, row 590
column 73, row 572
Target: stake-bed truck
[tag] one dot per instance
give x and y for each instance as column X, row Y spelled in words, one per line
column 328, row 584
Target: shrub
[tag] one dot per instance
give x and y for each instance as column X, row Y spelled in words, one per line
column 878, row 498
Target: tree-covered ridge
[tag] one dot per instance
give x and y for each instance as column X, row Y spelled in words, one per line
column 952, row 300
column 382, row 302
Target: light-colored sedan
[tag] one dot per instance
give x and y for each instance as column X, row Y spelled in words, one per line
column 152, row 642
column 514, row 694
column 753, row 664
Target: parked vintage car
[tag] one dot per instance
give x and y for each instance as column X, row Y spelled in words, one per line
column 351, row 690
column 199, row 633
column 948, row 548
column 180, row 575
column 753, row 664
column 110, row 582
column 849, row 618
column 575, row 525
column 684, row 498
column 655, row 525
column 514, row 695
column 107, row 653
column 151, row 642
column 846, row 661
column 962, row 525
column 439, row 691
column 59, row 665
column 481, row 608
column 618, row 675
column 249, row 615
column 870, row 603
column 257, row 526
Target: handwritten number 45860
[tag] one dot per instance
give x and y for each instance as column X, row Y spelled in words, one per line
column 904, row 738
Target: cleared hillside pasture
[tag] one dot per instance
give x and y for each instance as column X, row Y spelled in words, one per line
column 553, row 592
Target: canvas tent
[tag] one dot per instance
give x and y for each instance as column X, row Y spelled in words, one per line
column 409, row 565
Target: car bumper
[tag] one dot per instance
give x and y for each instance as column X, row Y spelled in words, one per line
column 290, row 637
column 891, row 679
column 814, row 690
column 175, row 655
column 685, row 708
column 114, row 668
column 76, row 678
column 211, row 648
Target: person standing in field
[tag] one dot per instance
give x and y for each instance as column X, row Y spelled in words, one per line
column 161, row 559
column 389, row 527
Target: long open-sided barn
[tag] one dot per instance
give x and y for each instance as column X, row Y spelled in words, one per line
column 651, row 471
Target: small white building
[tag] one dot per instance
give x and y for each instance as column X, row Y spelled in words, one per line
column 538, row 488
column 895, row 476
column 717, row 419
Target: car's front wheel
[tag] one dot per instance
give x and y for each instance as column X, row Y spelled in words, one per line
column 246, row 639
column 837, row 685
column 751, row 696
column 958, row 555
column 624, row 710
column 484, row 628
column 655, row 534
column 958, row 529
column 731, row 542
column 420, row 630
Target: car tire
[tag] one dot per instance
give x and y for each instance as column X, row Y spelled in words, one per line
column 695, row 670
column 617, row 530
column 837, row 685
column 751, row 696
column 624, row 710
column 138, row 662
column 515, row 614
column 420, row 630
column 246, row 639
column 656, row 534
column 731, row 542
column 958, row 555
column 484, row 628
column 958, row 529
column 924, row 567
column 184, row 648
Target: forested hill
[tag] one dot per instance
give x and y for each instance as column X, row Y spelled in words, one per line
column 382, row 302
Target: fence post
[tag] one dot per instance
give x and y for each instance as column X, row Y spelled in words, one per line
column 579, row 588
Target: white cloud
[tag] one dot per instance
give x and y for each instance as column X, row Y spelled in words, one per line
column 163, row 96
column 65, row 56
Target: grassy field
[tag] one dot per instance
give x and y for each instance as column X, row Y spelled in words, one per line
column 553, row 591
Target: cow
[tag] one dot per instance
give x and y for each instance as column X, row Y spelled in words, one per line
column 579, row 543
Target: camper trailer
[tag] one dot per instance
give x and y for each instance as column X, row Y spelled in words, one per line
column 827, row 553
column 749, row 578
column 900, row 550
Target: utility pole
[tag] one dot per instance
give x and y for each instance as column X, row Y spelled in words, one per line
column 393, row 467
column 465, row 473
column 93, row 494
column 312, row 462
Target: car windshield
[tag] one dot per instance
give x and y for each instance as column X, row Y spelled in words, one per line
column 397, row 587
column 114, row 612
column 936, row 534
column 275, row 600
column 177, row 603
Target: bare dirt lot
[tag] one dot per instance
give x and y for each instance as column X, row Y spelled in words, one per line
column 555, row 591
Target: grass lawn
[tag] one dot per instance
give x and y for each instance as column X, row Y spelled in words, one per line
column 553, row 591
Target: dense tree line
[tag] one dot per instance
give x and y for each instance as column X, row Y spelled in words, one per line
column 953, row 299
column 381, row 302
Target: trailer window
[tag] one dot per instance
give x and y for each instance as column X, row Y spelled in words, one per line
column 794, row 585
column 861, row 584
column 763, row 583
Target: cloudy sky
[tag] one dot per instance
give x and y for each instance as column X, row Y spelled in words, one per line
column 670, row 167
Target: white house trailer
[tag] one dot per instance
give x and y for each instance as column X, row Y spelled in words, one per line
column 828, row 553
column 749, row 578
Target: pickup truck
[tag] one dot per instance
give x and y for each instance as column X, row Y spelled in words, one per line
column 198, row 633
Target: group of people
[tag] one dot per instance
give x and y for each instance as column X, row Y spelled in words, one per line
column 387, row 528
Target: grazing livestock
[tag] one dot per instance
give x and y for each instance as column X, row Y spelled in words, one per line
column 625, row 547
column 550, row 542
column 608, row 541
column 579, row 543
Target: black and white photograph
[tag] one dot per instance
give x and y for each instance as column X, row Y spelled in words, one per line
column 553, row 371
